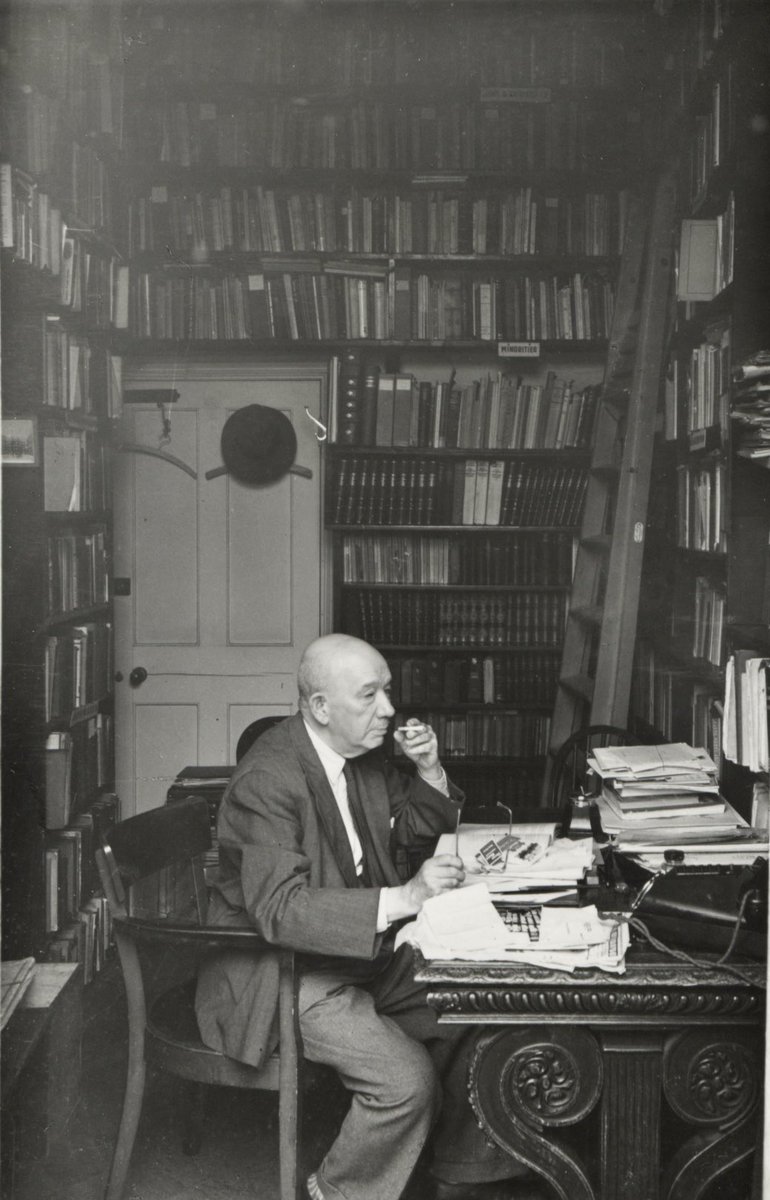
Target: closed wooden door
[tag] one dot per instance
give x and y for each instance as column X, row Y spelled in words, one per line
column 221, row 580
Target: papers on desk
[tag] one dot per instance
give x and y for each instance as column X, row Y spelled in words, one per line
column 464, row 924
column 668, row 763
column 553, row 864
column 15, row 975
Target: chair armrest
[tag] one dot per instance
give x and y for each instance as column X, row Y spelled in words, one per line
column 180, row 933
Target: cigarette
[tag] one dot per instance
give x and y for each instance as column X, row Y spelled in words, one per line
column 410, row 728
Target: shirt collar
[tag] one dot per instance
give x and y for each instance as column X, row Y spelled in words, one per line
column 332, row 762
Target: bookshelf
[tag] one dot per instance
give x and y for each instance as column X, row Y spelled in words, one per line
column 705, row 570
column 433, row 200
column 62, row 280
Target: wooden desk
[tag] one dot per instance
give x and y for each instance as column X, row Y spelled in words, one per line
column 40, row 1064
column 644, row 1086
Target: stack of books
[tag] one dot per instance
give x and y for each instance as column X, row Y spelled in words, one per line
column 666, row 797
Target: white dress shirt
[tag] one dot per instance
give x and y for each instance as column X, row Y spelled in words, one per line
column 334, row 765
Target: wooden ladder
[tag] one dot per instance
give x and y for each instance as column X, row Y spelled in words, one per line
column 597, row 659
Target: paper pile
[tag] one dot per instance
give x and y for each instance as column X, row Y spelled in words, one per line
column 655, row 798
column 539, row 862
column 464, row 924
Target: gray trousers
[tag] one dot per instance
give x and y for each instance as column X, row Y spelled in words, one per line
column 405, row 1072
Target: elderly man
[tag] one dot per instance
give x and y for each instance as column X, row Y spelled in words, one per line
column 305, row 833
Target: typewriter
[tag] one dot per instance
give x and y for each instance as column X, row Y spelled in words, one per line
column 695, row 905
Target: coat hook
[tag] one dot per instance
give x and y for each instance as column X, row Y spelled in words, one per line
column 322, row 436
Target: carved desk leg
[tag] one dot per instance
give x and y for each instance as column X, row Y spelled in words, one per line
column 712, row 1080
column 524, row 1082
column 630, row 1114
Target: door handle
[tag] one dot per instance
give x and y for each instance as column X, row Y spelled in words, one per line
column 137, row 677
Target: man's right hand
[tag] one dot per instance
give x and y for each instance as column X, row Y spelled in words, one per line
column 442, row 873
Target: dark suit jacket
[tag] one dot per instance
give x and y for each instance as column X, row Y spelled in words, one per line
column 285, row 866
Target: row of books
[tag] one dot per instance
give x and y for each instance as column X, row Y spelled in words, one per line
column 83, row 77
column 515, row 559
column 78, row 571
column 712, row 138
column 33, row 225
column 750, row 407
column 86, row 939
column 561, row 134
column 197, row 223
column 487, row 734
column 501, row 411
column 700, row 514
column 387, row 304
column 77, row 764
column 78, row 375
column 78, row 669
column 709, row 621
column 273, row 48
column 93, row 283
column 668, row 702
column 429, row 491
column 708, row 381
column 746, row 712
column 529, row 677
column 76, row 472
column 441, row 618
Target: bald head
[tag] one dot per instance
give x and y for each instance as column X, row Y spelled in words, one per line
column 344, row 693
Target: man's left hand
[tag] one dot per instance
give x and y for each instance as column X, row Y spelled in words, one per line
column 418, row 741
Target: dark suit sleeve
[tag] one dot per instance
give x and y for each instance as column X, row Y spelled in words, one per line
column 275, row 864
column 419, row 812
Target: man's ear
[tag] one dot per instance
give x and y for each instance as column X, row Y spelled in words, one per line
column 319, row 709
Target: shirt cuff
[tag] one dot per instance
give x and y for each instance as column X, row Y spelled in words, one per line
column 383, row 920
column 441, row 784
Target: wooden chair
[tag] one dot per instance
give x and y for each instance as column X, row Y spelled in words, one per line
column 150, row 867
column 570, row 767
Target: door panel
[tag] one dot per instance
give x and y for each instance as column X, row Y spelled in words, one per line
column 225, row 578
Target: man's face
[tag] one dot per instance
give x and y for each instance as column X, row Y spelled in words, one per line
column 358, row 704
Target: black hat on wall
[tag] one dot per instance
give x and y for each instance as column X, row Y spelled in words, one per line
column 258, row 446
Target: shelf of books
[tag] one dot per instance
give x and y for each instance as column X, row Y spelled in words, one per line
column 706, row 563
column 63, row 283
column 389, row 197
column 453, row 507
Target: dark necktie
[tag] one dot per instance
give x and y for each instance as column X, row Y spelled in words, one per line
column 369, row 870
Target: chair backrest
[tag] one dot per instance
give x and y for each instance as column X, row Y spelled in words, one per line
column 150, row 865
column 253, row 731
column 570, row 767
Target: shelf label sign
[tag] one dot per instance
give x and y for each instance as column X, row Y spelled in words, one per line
column 518, row 349
column 515, row 95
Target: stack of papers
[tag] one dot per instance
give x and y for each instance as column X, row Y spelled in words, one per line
column 671, row 770
column 656, row 798
column 536, row 862
column 465, row 925
column 16, row 975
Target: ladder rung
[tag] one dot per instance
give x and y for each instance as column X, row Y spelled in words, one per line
column 599, row 543
column 587, row 614
column 578, row 685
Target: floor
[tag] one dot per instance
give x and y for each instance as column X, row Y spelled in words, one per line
column 239, row 1154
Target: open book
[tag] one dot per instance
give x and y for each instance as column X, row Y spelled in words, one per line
column 536, row 861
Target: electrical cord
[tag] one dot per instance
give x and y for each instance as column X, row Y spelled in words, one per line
column 683, row 956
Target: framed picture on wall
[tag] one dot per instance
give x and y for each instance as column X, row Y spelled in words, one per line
column 19, row 442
